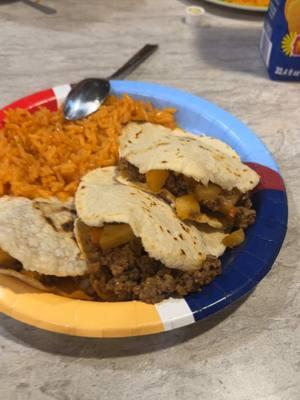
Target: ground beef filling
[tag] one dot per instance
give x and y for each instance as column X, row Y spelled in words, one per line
column 128, row 273
column 243, row 216
column 131, row 171
column 179, row 185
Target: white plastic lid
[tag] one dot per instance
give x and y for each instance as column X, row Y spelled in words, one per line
column 193, row 14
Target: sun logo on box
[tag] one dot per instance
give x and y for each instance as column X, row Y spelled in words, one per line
column 291, row 44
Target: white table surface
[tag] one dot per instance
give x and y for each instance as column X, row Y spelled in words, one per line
column 251, row 350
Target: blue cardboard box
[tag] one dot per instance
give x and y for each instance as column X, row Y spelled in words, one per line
column 280, row 40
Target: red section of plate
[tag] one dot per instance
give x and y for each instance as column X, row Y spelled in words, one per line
column 45, row 98
column 269, row 179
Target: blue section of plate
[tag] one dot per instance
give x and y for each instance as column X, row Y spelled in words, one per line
column 271, row 205
column 245, row 266
column 200, row 116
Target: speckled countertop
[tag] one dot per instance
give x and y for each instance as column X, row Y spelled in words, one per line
column 251, row 350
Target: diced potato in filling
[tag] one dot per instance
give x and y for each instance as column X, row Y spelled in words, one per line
column 209, row 192
column 156, row 179
column 187, row 207
column 114, row 235
column 5, row 258
column 234, row 239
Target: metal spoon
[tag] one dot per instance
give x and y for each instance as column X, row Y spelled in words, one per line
column 87, row 96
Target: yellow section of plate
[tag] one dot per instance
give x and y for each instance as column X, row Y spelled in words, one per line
column 238, row 6
column 76, row 317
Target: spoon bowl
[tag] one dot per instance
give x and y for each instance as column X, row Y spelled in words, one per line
column 87, row 95
column 85, row 98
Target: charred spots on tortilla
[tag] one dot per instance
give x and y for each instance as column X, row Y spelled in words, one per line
column 161, row 228
column 137, row 134
column 68, row 226
column 185, row 228
column 182, row 252
column 186, row 139
column 218, row 151
column 50, row 222
column 162, row 144
column 180, row 236
column 37, row 206
column 164, row 162
column 71, row 211
column 65, row 208
column 168, row 230
column 218, row 157
column 175, row 238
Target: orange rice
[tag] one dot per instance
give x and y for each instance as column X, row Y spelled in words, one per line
column 42, row 155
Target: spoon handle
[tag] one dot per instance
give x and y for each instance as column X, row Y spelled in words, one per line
column 134, row 61
column 40, row 7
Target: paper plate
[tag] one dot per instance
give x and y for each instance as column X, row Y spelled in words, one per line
column 238, row 6
column 242, row 268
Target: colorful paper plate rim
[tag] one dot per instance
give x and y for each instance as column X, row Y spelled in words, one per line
column 238, row 6
column 242, row 268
